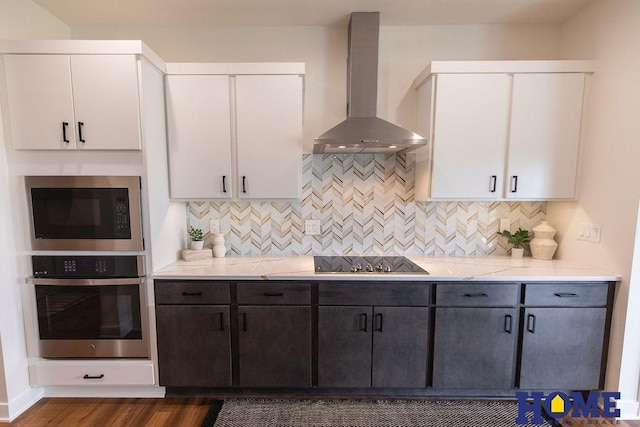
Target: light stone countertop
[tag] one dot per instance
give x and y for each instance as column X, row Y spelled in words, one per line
column 488, row 268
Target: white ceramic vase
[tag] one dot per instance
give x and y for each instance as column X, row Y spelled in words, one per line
column 542, row 245
column 219, row 249
column 196, row 245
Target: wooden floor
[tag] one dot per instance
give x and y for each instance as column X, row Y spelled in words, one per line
column 170, row 411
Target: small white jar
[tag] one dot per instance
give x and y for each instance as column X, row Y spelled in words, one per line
column 219, row 249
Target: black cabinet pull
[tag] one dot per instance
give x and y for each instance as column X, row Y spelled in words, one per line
column 93, row 377
column 64, row 132
column 531, row 323
column 379, row 322
column 514, row 183
column 80, row 124
column 273, row 294
column 224, row 183
column 244, row 182
column 508, row 323
column 365, row 317
column 477, row 295
column 244, row 322
column 566, row 295
column 192, row 294
column 494, row 181
column 221, row 321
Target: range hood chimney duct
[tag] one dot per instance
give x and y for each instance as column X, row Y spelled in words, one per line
column 362, row 131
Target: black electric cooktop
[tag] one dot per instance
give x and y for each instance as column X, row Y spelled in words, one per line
column 366, row 264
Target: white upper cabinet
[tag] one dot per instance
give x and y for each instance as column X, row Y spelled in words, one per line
column 500, row 130
column 235, row 130
column 199, row 133
column 84, row 102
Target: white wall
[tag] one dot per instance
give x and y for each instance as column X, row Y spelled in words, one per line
column 404, row 52
column 608, row 31
column 19, row 19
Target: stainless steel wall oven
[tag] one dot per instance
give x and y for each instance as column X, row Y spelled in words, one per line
column 90, row 306
column 85, row 213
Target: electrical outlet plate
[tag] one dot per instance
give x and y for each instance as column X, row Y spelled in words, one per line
column 214, row 226
column 589, row 232
column 312, row 227
column 505, row 224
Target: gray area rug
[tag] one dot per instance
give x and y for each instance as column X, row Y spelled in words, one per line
column 365, row 413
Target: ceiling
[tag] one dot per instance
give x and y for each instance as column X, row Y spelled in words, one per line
column 172, row 13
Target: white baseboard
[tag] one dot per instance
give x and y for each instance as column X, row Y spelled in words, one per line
column 629, row 409
column 105, row 391
column 16, row 406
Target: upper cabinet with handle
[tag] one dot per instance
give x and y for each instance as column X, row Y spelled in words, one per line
column 69, row 102
column 500, row 129
column 235, row 130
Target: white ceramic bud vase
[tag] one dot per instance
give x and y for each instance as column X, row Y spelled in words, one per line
column 218, row 245
column 542, row 245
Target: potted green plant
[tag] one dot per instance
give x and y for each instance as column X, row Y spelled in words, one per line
column 196, row 238
column 518, row 240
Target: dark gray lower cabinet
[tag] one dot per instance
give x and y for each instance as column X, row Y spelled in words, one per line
column 474, row 348
column 274, row 345
column 379, row 346
column 194, row 347
column 562, row 348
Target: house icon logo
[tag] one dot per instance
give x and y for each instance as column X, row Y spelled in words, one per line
column 557, row 405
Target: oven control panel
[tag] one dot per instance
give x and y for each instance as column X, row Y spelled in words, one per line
column 87, row 266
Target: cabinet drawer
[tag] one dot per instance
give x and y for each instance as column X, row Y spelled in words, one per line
column 382, row 294
column 191, row 292
column 276, row 293
column 94, row 374
column 566, row 294
column 477, row 295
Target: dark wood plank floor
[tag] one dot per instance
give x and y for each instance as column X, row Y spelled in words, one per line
column 170, row 411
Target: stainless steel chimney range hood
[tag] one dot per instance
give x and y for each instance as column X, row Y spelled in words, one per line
column 362, row 131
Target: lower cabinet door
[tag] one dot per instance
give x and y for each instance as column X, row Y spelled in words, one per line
column 400, row 346
column 344, row 346
column 474, row 348
column 274, row 346
column 194, row 346
column 562, row 348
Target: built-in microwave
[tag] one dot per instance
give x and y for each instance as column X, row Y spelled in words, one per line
column 85, row 213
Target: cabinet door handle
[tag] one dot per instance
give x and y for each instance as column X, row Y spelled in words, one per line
column 566, row 295
column 508, row 323
column 93, row 377
column 273, row 294
column 365, row 317
column 494, row 181
column 192, row 294
column 531, row 323
column 80, row 125
column 64, row 132
column 477, row 295
column 221, row 321
column 379, row 322
column 224, row 183
column 514, row 183
column 244, row 182
column 244, row 322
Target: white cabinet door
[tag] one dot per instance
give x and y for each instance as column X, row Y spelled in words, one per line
column 544, row 136
column 39, row 102
column 105, row 95
column 269, row 132
column 470, row 135
column 199, row 133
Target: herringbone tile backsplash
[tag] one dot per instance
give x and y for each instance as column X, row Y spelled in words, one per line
column 365, row 205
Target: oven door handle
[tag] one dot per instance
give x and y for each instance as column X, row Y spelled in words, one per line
column 85, row 282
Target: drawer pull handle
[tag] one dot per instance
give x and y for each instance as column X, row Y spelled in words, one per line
column 379, row 322
column 221, row 321
column 531, row 323
column 273, row 294
column 192, row 294
column 244, row 322
column 365, row 317
column 477, row 295
column 93, row 377
column 566, row 295
column 508, row 323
